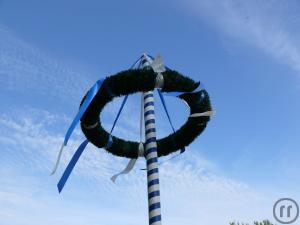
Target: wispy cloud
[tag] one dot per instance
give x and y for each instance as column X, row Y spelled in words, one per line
column 269, row 25
column 25, row 69
column 30, row 138
column 190, row 185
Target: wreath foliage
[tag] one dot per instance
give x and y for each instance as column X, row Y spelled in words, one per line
column 142, row 80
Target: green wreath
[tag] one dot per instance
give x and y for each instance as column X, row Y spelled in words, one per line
column 143, row 80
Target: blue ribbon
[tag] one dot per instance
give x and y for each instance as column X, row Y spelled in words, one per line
column 89, row 97
column 169, row 118
column 165, row 107
column 71, row 166
column 110, row 140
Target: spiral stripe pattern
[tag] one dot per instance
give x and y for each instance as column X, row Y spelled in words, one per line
column 152, row 162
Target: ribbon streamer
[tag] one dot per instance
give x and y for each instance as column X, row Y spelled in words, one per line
column 159, row 67
column 167, row 112
column 110, row 140
column 89, row 97
column 71, row 166
column 207, row 113
column 128, row 168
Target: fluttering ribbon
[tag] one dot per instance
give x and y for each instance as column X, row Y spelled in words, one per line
column 89, row 97
column 130, row 164
column 71, row 166
column 207, row 113
column 158, row 67
column 128, row 168
column 182, row 150
column 110, row 140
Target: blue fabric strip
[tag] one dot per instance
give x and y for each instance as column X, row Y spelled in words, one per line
column 165, row 107
column 147, row 122
column 153, row 194
column 153, row 160
column 71, row 166
column 153, row 139
column 150, row 112
column 89, row 97
column 110, row 140
column 148, row 96
column 148, row 104
column 150, row 130
column 151, row 150
column 119, row 113
column 155, row 170
column 154, row 206
column 169, row 118
column 155, row 219
column 153, row 182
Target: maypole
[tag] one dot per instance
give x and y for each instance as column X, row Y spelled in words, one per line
column 150, row 74
column 154, row 206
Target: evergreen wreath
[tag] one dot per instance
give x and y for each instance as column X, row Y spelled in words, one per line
column 143, row 80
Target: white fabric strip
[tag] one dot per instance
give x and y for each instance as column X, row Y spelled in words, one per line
column 153, row 188
column 149, row 99
column 153, row 176
column 58, row 159
column 156, row 212
column 154, row 200
column 127, row 169
column 156, row 223
column 149, row 117
column 151, row 145
column 150, row 126
column 151, row 134
column 148, row 108
column 208, row 113
column 152, row 166
column 151, row 155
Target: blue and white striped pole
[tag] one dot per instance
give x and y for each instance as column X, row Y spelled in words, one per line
column 151, row 155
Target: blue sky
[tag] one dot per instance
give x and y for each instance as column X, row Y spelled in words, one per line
column 246, row 53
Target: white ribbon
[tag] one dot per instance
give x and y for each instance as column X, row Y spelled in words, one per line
column 130, row 164
column 58, row 159
column 207, row 113
column 158, row 65
column 128, row 168
column 141, row 152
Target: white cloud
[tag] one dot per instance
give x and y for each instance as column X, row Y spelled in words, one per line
column 269, row 25
column 26, row 69
column 192, row 191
